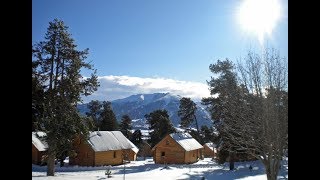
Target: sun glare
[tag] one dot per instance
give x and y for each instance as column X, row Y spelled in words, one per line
column 259, row 16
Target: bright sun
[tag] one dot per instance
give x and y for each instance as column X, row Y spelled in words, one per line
column 259, row 16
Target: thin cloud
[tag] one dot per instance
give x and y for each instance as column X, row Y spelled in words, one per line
column 117, row 87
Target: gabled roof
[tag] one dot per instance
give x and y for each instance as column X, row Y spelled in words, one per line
column 134, row 149
column 186, row 141
column 38, row 142
column 211, row 145
column 108, row 140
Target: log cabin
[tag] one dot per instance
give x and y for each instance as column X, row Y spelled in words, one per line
column 145, row 150
column 39, row 148
column 102, row 148
column 132, row 153
column 177, row 148
column 209, row 150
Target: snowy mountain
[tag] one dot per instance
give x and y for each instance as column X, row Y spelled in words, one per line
column 136, row 106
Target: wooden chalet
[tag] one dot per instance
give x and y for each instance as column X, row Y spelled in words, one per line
column 177, row 148
column 132, row 153
column 209, row 150
column 102, row 148
column 145, row 150
column 39, row 148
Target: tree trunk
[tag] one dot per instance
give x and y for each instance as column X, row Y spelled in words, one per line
column 51, row 65
column 61, row 162
column 198, row 132
column 57, row 71
column 231, row 161
column 195, row 118
column 231, row 164
column 271, row 173
column 50, row 164
column 271, row 176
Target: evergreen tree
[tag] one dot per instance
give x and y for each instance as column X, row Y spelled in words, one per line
column 125, row 126
column 252, row 116
column 161, row 125
column 108, row 121
column 37, row 98
column 95, row 108
column 225, row 86
column 207, row 134
column 187, row 113
column 136, row 137
column 58, row 72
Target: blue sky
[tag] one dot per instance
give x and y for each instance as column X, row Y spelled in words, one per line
column 158, row 39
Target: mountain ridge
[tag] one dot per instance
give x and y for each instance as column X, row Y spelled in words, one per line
column 136, row 106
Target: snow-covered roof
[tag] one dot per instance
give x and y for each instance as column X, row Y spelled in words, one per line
column 211, row 145
column 134, row 149
column 108, row 140
column 39, row 143
column 186, row 141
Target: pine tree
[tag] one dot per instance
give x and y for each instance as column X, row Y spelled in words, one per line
column 108, row 121
column 224, row 86
column 58, row 71
column 125, row 126
column 207, row 134
column 95, row 108
column 161, row 125
column 136, row 137
column 187, row 113
column 251, row 110
column 37, row 98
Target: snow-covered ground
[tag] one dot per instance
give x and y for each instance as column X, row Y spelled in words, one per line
column 146, row 169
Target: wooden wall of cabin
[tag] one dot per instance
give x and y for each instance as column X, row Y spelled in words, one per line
column 145, row 151
column 84, row 154
column 168, row 151
column 35, row 157
column 38, row 157
column 108, row 158
column 208, row 152
column 192, row 156
column 132, row 156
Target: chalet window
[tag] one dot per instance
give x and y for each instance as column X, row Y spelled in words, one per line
column 163, row 153
column 114, row 154
column 167, row 142
column 193, row 154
